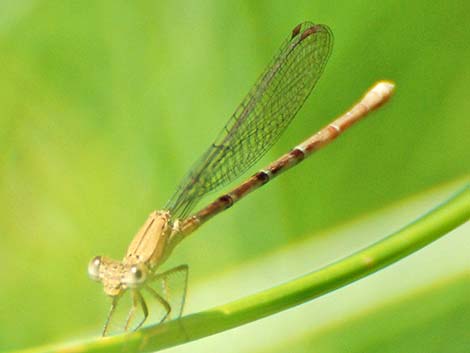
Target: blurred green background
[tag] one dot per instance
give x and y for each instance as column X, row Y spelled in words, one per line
column 104, row 105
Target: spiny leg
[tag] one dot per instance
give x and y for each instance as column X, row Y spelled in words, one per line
column 135, row 303
column 164, row 278
column 184, row 269
column 140, row 299
column 111, row 311
column 161, row 300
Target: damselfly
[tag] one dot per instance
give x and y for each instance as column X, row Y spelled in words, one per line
column 254, row 127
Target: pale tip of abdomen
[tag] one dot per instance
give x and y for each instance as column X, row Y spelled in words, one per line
column 385, row 88
column 379, row 94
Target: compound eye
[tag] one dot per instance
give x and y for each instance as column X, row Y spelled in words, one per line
column 137, row 275
column 94, row 268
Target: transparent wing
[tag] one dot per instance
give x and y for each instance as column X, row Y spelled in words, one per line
column 261, row 117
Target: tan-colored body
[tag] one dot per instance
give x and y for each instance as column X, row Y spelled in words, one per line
column 148, row 245
column 159, row 235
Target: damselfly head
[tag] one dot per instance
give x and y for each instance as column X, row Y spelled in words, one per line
column 115, row 275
